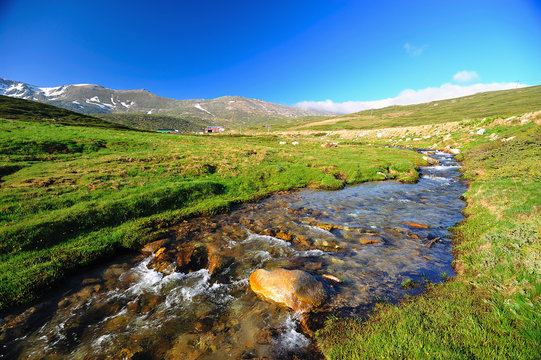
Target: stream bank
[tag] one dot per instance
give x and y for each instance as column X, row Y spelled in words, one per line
column 382, row 240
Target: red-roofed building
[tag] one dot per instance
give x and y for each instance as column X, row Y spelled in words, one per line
column 213, row 129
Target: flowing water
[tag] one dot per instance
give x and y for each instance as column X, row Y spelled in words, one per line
column 360, row 234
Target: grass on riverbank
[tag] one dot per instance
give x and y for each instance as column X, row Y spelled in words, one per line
column 71, row 196
column 492, row 308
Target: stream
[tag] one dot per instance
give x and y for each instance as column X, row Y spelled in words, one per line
column 383, row 240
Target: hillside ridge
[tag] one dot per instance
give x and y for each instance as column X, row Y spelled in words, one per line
column 96, row 99
column 502, row 103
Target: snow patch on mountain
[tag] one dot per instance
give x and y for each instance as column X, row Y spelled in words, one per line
column 53, row 91
column 198, row 106
column 16, row 89
column 96, row 101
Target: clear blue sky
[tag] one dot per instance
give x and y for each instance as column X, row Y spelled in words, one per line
column 279, row 51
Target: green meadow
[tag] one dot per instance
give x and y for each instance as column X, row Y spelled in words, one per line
column 72, row 196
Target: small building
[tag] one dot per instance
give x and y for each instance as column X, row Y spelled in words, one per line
column 168, row 131
column 214, row 129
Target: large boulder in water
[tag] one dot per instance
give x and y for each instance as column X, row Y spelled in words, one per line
column 293, row 288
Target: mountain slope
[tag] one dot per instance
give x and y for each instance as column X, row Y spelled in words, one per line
column 488, row 104
column 25, row 110
column 95, row 99
column 154, row 122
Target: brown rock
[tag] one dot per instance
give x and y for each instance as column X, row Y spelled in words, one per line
column 152, row 247
column 332, row 278
column 268, row 232
column 430, row 160
column 311, row 322
column 416, row 225
column 192, row 258
column 284, row 236
column 161, row 262
column 329, row 145
column 266, row 336
column 301, row 239
column 63, row 303
column 202, row 325
column 90, row 281
column 151, row 303
column 369, row 241
column 125, row 354
column 159, row 252
column 116, row 323
column 133, row 307
column 293, row 288
column 327, row 227
column 218, row 263
column 184, row 256
column 313, row 265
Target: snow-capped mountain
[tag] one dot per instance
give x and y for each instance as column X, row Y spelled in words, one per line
column 93, row 99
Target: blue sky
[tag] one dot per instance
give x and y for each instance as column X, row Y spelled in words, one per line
column 280, row 51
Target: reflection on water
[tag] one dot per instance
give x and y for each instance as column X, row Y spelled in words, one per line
column 359, row 234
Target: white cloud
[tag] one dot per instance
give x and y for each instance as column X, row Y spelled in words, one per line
column 414, row 50
column 408, row 97
column 465, row 76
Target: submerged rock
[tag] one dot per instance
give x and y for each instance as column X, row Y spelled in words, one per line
column 152, row 247
column 192, row 258
column 327, row 227
column 416, row 225
column 162, row 261
column 218, row 263
column 366, row 241
column 267, row 232
column 431, row 160
column 332, row 278
column 284, row 236
column 293, row 288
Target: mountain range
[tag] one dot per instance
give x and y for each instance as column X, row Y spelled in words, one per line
column 96, row 99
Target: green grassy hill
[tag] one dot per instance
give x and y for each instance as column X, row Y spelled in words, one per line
column 154, row 122
column 26, row 110
column 489, row 104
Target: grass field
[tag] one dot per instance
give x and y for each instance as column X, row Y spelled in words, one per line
column 491, row 310
column 72, row 195
column 489, row 104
